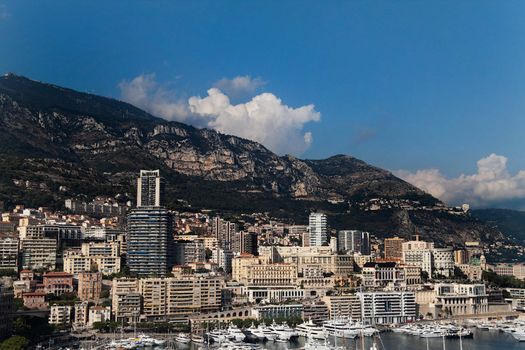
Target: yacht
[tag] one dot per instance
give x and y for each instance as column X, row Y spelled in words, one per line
column 256, row 332
column 217, row 335
column 182, row 338
column 197, row 339
column 311, row 330
column 235, row 334
column 283, row 332
column 519, row 334
column 340, row 329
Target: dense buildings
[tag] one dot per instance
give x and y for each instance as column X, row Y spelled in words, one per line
column 354, row 241
column 7, row 309
column 193, row 266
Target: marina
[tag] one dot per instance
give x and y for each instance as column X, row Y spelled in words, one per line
column 336, row 335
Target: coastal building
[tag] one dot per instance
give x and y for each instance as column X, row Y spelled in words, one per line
column 8, row 309
column 393, row 248
column 382, row 274
column 443, row 261
column 343, row 306
column 461, row 299
column 271, row 312
column 8, row 253
column 89, row 286
column 353, row 241
column 81, row 317
column 150, row 188
column 387, row 307
column 98, row 314
column 38, row 253
column 317, row 230
column 58, row 283
column 125, row 299
column 60, row 315
column 150, row 241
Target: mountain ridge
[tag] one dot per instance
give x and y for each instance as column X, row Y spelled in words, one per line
column 57, row 143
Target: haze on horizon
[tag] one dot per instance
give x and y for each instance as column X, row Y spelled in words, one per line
column 432, row 91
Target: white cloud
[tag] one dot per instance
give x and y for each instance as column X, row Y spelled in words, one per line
column 144, row 92
column 240, row 85
column 490, row 185
column 264, row 118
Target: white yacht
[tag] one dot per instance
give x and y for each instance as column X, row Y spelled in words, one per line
column 519, row 334
column 340, row 329
column 182, row 338
column 235, row 334
column 283, row 332
column 311, row 330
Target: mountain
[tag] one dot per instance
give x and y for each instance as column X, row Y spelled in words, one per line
column 57, row 143
column 510, row 222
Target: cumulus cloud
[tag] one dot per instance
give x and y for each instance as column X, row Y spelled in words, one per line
column 264, row 118
column 240, row 85
column 491, row 185
column 144, row 92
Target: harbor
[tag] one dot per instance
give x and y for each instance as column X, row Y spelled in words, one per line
column 333, row 335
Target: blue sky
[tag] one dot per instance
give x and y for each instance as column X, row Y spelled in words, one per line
column 400, row 84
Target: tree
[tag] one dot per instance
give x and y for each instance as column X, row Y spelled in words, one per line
column 16, row 342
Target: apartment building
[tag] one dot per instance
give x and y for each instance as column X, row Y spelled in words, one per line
column 387, row 307
column 38, row 253
column 461, row 299
column 89, row 286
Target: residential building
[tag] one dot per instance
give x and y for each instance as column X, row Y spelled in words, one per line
column 187, row 251
column 58, row 283
column 394, row 248
column 125, row 299
column 150, row 188
column 60, row 315
column 353, row 241
column 8, row 253
column 461, row 299
column 343, row 306
column 387, row 307
column 317, row 229
column 98, row 314
column 8, row 309
column 89, row 286
column 38, row 253
column 150, row 241
column 271, row 312
column 35, row 300
column 81, row 318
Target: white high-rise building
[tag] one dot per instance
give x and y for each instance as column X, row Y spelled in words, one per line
column 318, row 229
column 149, row 188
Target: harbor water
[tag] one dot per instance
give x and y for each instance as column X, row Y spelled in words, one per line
column 482, row 340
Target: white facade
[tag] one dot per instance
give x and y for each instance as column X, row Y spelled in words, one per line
column 318, row 229
column 60, row 314
column 387, row 307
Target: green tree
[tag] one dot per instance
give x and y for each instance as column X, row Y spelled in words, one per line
column 16, row 342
